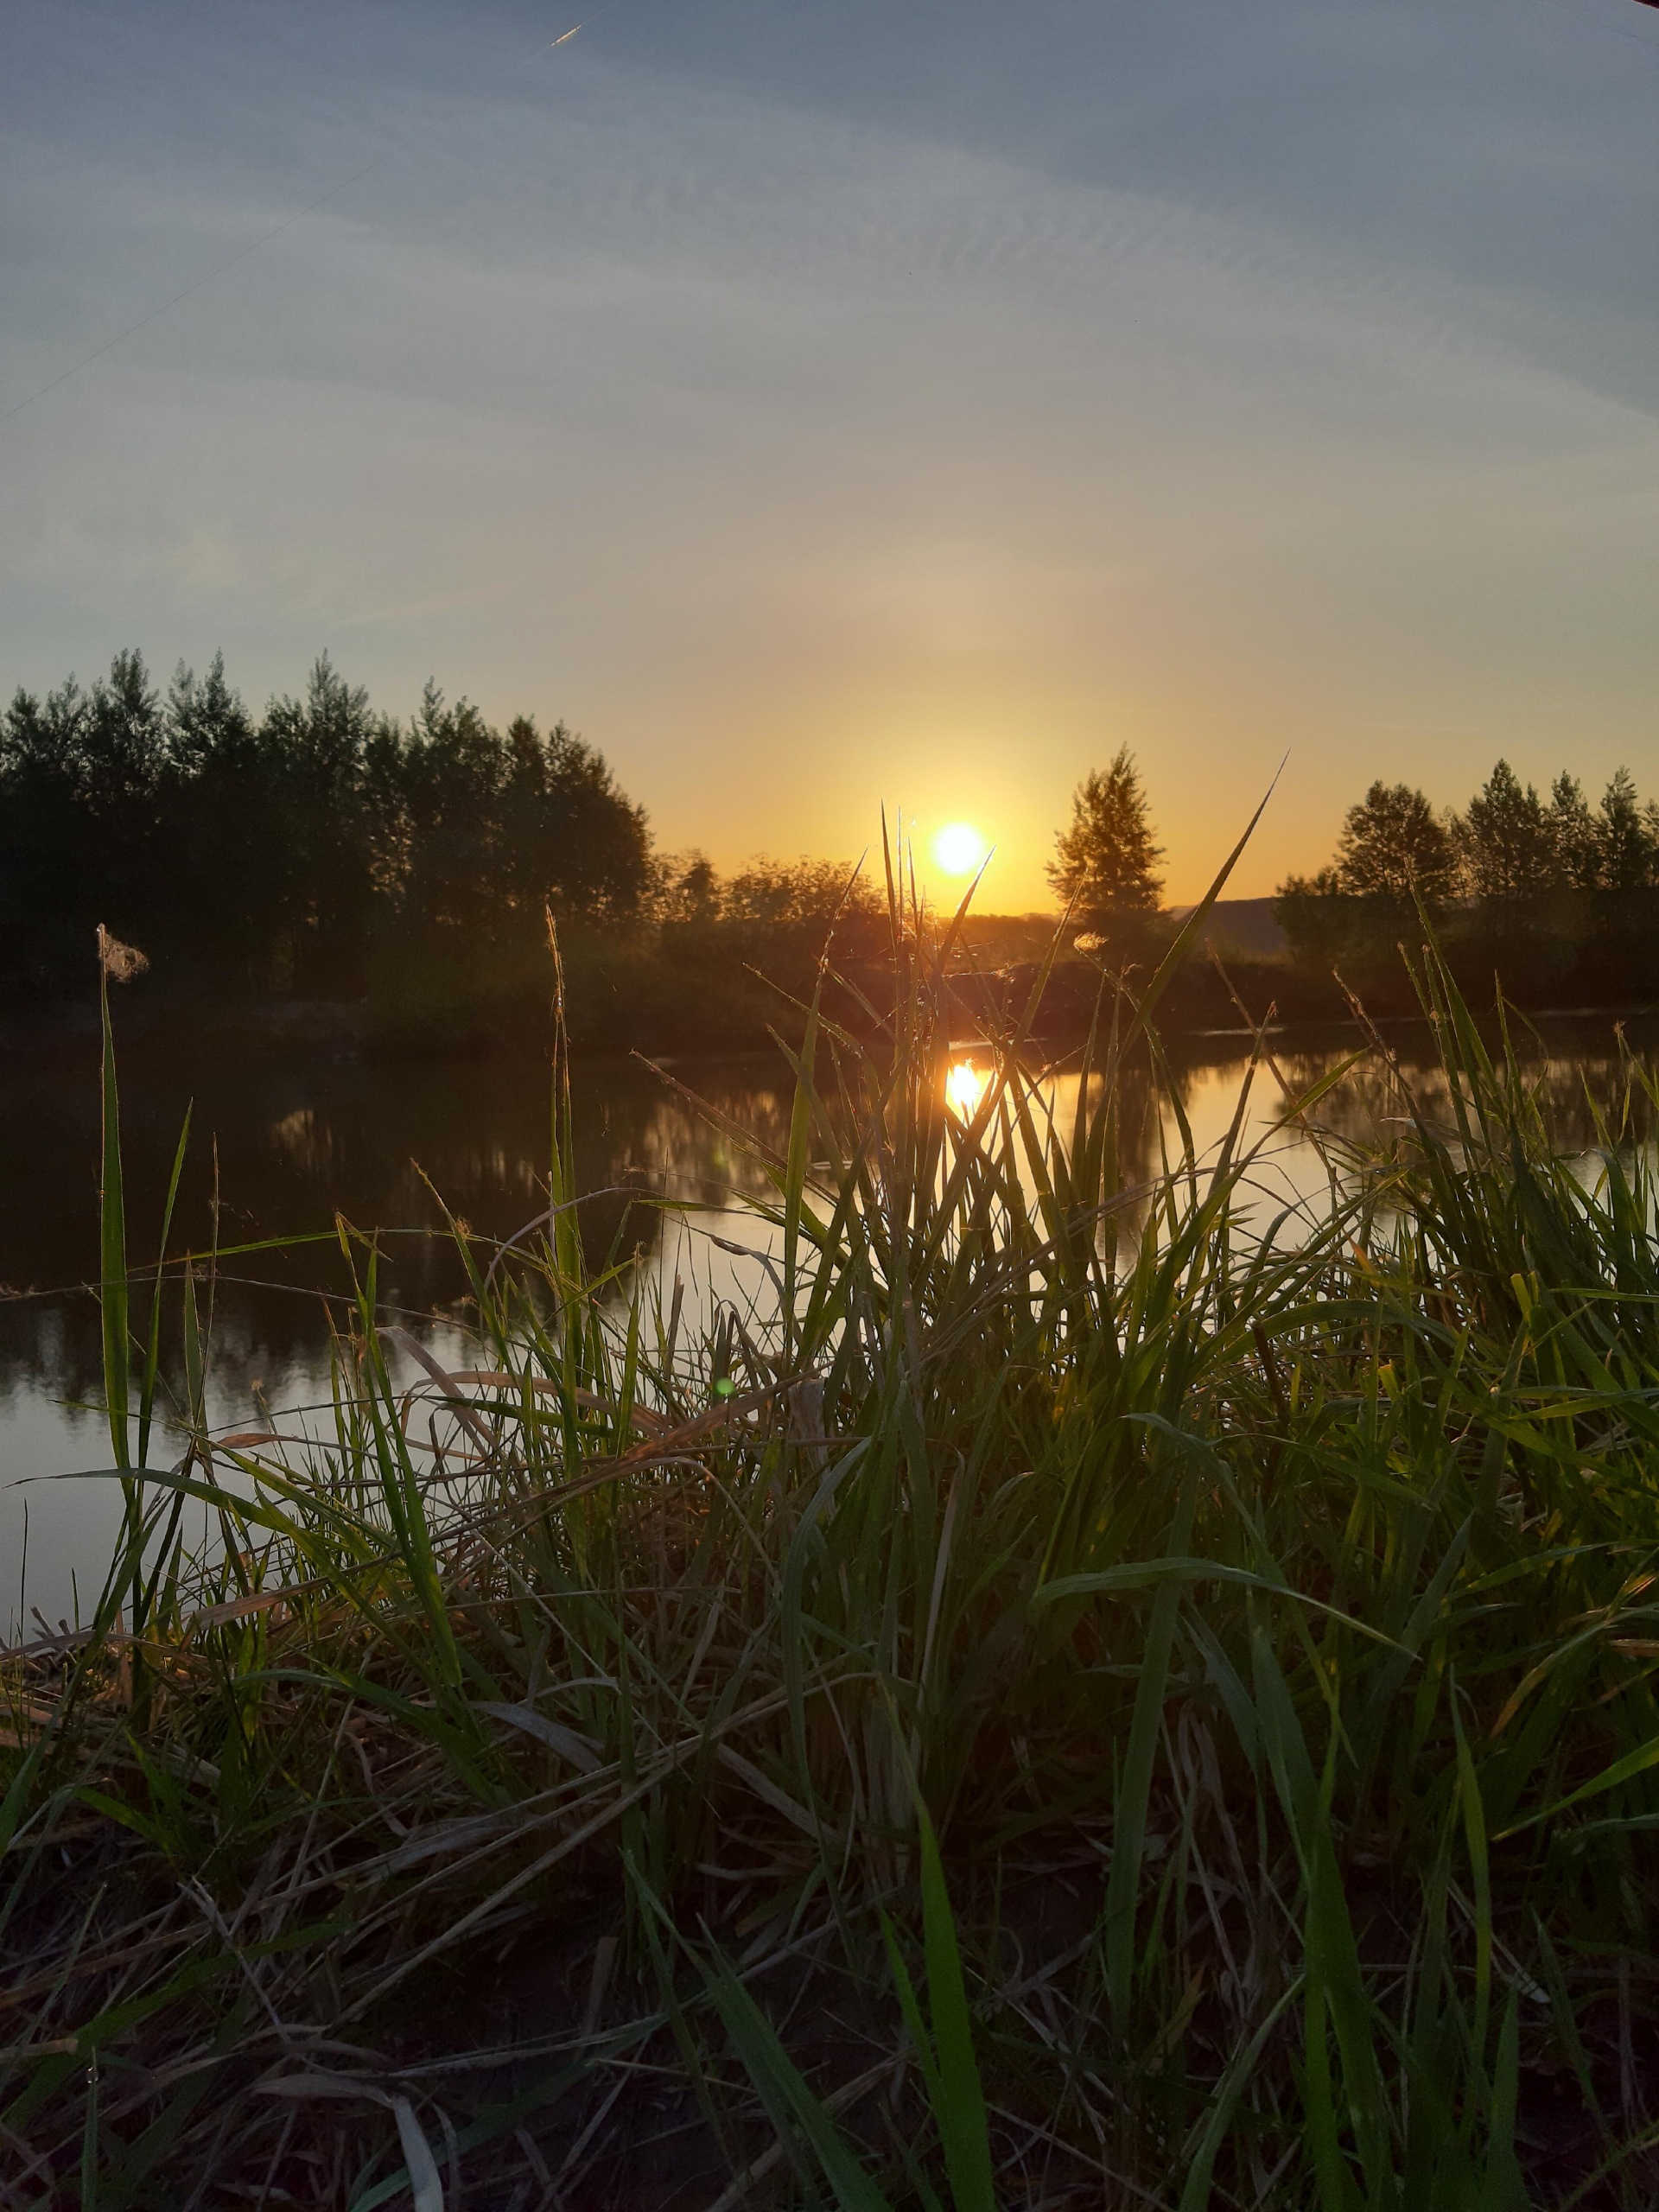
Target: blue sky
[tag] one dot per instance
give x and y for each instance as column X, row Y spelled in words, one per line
column 822, row 404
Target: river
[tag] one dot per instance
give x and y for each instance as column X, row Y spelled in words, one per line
column 282, row 1141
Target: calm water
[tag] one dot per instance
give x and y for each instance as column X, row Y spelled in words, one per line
column 287, row 1141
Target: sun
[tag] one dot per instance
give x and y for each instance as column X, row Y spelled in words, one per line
column 965, row 1086
column 958, row 848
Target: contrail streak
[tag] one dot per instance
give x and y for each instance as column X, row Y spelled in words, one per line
column 230, row 262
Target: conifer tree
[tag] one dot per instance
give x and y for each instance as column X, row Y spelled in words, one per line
column 1105, row 864
column 1625, row 849
column 1572, row 835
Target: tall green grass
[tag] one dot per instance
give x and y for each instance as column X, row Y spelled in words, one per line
column 1077, row 1693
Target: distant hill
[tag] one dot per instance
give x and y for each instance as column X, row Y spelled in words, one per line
column 1000, row 940
column 1236, row 926
column 1242, row 925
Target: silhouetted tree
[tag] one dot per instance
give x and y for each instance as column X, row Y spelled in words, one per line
column 574, row 841
column 1561, row 896
column 1624, row 846
column 228, row 876
column 43, row 832
column 1575, row 847
column 122, row 749
column 687, row 888
column 1395, row 846
column 1105, row 864
column 442, row 842
column 320, row 848
column 333, row 772
column 1504, row 842
column 79, row 777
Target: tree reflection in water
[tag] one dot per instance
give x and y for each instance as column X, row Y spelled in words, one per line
column 294, row 1140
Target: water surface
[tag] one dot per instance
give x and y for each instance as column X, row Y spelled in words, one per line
column 282, row 1142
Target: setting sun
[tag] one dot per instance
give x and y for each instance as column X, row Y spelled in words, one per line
column 965, row 1086
column 958, row 848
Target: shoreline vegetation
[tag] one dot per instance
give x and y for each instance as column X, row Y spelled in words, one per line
column 325, row 874
column 1056, row 1697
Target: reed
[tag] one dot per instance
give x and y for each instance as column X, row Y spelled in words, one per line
column 1069, row 1695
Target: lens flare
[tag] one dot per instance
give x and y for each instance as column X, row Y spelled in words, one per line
column 964, row 1087
column 958, row 848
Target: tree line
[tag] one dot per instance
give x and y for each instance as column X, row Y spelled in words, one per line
column 1556, row 895
column 291, row 851
column 1541, row 886
column 321, row 849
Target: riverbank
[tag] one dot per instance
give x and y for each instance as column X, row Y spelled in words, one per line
column 716, row 993
column 1201, row 1004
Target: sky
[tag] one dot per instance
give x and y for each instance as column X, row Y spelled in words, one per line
column 828, row 404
